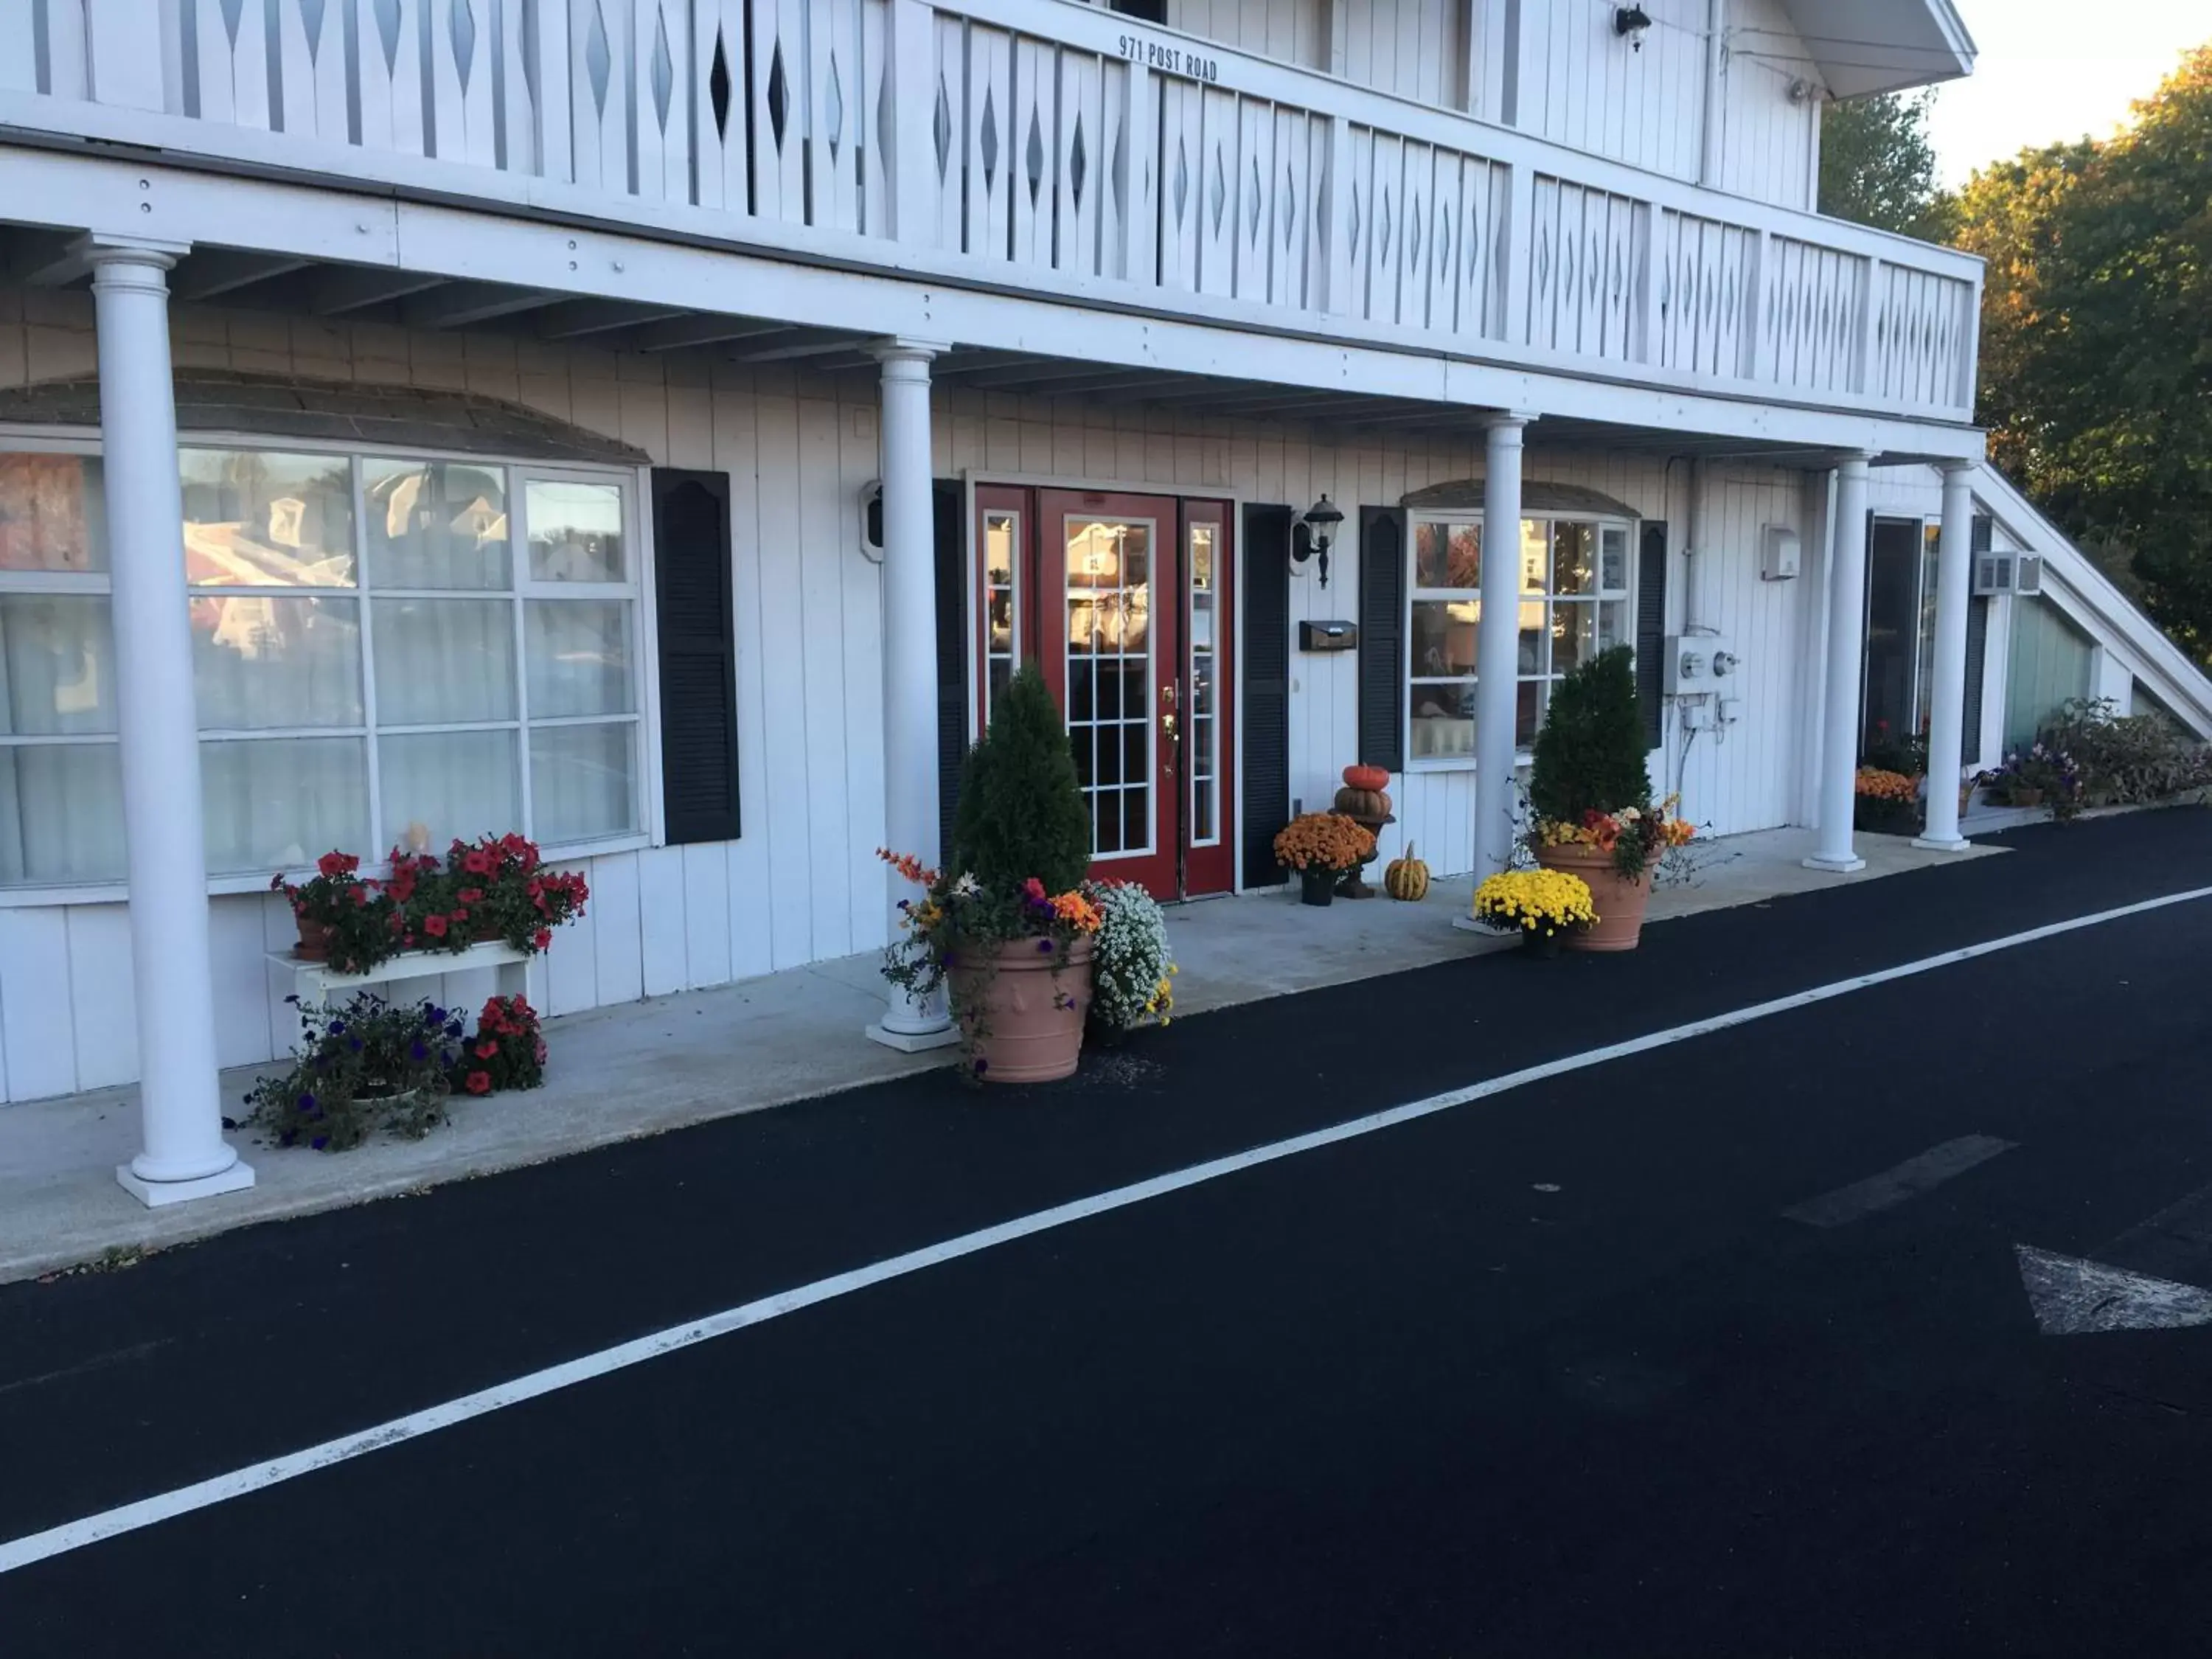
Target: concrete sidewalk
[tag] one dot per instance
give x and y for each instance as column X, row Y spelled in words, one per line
column 646, row 1067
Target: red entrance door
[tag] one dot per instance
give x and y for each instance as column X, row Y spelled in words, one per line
column 1125, row 603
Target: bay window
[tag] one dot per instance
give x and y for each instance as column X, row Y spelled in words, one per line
column 1574, row 604
column 386, row 648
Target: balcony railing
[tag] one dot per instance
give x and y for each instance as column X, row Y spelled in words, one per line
column 1039, row 145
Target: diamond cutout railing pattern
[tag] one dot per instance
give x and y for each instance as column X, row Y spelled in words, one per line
column 599, row 58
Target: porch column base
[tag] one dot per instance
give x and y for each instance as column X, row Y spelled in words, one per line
column 153, row 1195
column 912, row 1042
column 1834, row 864
column 1942, row 843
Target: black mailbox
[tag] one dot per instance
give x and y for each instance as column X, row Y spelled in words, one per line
column 1328, row 636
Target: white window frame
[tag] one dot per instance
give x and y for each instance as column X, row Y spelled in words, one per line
column 632, row 482
column 1624, row 596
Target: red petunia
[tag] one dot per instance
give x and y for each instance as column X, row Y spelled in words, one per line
column 477, row 861
column 487, row 1049
column 435, row 927
column 477, row 1083
column 470, row 895
column 542, row 938
column 338, row 864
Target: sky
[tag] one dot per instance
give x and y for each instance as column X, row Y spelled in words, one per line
column 2052, row 70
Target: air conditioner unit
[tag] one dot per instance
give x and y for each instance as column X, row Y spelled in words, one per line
column 1999, row 572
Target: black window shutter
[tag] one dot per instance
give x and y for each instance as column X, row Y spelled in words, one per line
column 1651, row 631
column 1381, row 638
column 1978, row 540
column 951, row 655
column 1266, row 734
column 694, row 607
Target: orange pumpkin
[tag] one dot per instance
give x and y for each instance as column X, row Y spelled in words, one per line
column 1373, row 778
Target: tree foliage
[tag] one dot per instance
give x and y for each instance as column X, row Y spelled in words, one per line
column 1877, row 166
column 2096, row 364
column 1589, row 749
column 1022, row 813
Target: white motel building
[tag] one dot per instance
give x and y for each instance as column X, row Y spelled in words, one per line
column 659, row 425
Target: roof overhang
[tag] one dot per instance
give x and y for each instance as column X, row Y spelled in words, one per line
column 1859, row 47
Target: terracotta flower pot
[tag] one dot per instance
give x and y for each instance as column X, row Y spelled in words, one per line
column 1031, row 1018
column 1619, row 901
column 315, row 943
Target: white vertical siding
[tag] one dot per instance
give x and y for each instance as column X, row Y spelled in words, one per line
column 1289, row 31
column 802, row 883
column 1582, row 84
column 1768, row 142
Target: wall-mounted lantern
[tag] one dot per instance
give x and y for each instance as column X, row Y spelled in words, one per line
column 1631, row 21
column 1312, row 535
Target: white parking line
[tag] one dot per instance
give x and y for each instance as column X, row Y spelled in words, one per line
column 76, row 1534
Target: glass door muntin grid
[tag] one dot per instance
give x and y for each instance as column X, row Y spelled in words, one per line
column 1100, row 682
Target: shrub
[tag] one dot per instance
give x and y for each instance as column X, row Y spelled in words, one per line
column 1022, row 813
column 366, row 1064
column 1589, row 749
column 2125, row 759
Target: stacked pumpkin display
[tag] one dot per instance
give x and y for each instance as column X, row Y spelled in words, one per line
column 1365, row 801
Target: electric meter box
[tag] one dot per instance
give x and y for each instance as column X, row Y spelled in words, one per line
column 1699, row 664
column 1779, row 554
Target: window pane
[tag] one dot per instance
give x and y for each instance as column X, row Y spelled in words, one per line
column 444, row 660
column 1531, row 657
column 53, row 516
column 1444, row 636
column 1535, row 557
column 436, row 524
column 1613, row 559
column 1447, row 555
column 280, row 802
column 1574, row 558
column 56, row 665
column 1202, row 555
column 256, row 519
column 1612, row 624
column 575, row 531
column 1442, row 723
column 582, row 783
column 578, row 652
column 1528, row 710
column 61, row 813
column 1574, row 635
column 261, row 662
column 452, row 783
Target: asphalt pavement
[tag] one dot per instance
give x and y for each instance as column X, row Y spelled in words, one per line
column 1721, row 1348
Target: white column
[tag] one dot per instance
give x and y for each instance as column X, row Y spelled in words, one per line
column 1497, row 648
column 1840, row 741
column 910, row 798
column 1947, row 715
column 184, row 1155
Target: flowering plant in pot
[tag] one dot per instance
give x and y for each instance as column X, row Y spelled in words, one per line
column 495, row 887
column 1320, row 846
column 1132, row 974
column 344, row 918
column 2039, row 776
column 1590, row 798
column 366, row 1064
column 1548, row 907
column 506, row 1051
column 1008, row 926
column 1885, row 802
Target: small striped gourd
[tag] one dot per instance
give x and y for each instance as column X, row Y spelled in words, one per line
column 1407, row 877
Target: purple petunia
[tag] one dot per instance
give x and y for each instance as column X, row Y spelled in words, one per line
column 1044, row 947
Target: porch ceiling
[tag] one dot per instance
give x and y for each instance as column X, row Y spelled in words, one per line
column 288, row 285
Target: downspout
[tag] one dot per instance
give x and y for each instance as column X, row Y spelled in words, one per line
column 1694, row 545
column 1709, row 163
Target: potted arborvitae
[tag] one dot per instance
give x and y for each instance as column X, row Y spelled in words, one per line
column 1590, row 798
column 1008, row 924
